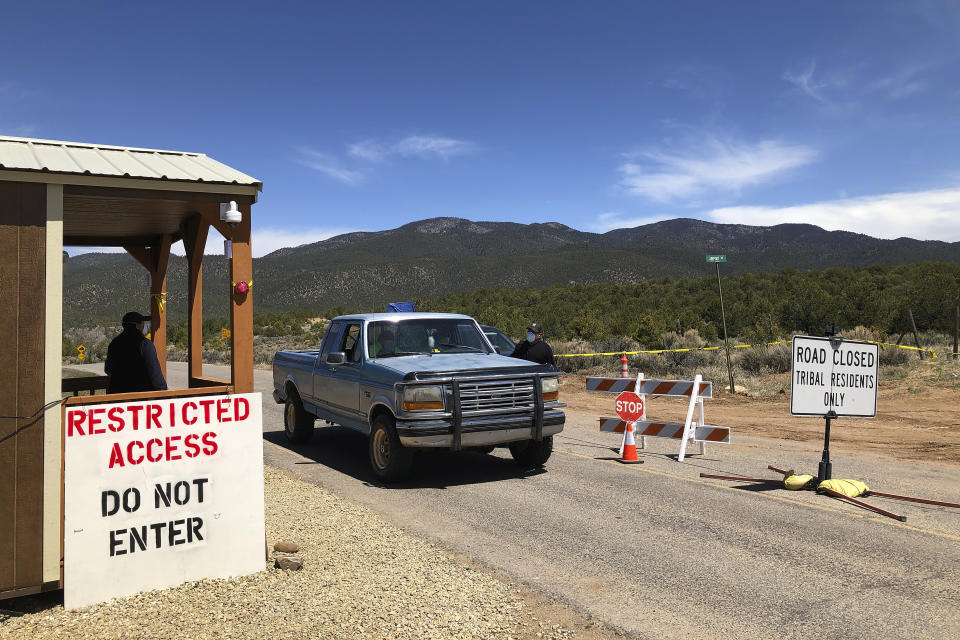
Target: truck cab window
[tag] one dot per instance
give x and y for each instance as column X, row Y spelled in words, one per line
column 351, row 343
column 331, row 341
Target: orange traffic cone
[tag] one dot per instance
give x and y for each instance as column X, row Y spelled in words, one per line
column 630, row 447
column 624, row 369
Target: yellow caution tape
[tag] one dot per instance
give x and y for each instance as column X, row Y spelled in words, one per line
column 633, row 353
column 933, row 354
column 160, row 299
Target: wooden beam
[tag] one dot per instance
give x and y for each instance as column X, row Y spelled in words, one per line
column 159, row 257
column 106, row 241
column 145, row 395
column 114, row 241
column 211, row 213
column 148, row 194
column 141, row 255
column 241, row 307
column 123, row 182
column 194, row 242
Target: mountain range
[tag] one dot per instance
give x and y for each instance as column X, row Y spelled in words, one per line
column 365, row 270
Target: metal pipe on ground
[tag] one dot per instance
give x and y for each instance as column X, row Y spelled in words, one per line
column 860, row 503
column 738, row 478
column 909, row 499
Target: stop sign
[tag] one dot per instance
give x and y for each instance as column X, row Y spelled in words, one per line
column 629, row 406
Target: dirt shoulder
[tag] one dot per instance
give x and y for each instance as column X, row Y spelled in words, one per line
column 918, row 415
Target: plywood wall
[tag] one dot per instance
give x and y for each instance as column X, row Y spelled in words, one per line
column 22, row 311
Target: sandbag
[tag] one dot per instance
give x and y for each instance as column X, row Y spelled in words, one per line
column 849, row 488
column 796, row 482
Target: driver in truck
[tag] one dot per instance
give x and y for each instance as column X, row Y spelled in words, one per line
column 386, row 342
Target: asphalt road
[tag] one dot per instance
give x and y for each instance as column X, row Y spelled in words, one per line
column 657, row 552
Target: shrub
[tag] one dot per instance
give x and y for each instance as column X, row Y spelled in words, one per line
column 765, row 360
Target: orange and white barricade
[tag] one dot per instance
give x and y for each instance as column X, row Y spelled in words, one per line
column 689, row 430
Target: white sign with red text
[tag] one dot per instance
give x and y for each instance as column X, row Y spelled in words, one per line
column 159, row 492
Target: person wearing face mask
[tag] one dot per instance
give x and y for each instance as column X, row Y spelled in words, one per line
column 132, row 362
column 534, row 349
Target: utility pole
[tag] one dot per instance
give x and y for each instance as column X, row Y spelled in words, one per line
column 717, row 259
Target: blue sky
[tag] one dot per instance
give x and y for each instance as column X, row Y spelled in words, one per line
column 369, row 115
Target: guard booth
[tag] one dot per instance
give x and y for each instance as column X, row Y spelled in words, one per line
column 55, row 194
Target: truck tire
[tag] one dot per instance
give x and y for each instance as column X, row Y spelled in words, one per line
column 389, row 459
column 297, row 423
column 531, row 454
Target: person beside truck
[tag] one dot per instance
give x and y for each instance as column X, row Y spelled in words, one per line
column 534, row 348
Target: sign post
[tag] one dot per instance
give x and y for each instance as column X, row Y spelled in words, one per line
column 830, row 378
column 717, row 259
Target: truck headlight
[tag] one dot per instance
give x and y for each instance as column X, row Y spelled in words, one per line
column 423, row 398
column 551, row 389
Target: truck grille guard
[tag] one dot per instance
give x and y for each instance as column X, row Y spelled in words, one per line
column 486, row 395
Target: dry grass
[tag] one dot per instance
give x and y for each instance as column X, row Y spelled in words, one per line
column 759, row 371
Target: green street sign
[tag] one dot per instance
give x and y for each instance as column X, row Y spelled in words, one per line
column 720, row 258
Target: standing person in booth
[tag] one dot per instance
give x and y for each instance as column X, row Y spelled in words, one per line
column 132, row 362
column 534, row 349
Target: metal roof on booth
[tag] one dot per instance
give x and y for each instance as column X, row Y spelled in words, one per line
column 54, row 156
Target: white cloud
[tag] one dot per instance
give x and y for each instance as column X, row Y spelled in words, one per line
column 807, row 84
column 329, row 166
column 369, row 150
column 716, row 165
column 268, row 240
column 901, row 83
column 616, row 220
column 423, row 147
column 923, row 215
column 432, row 147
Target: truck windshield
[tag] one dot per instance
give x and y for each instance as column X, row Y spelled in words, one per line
column 427, row 335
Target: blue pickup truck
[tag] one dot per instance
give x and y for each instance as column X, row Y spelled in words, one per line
column 419, row 381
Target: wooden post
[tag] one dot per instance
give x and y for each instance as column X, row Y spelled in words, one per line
column 956, row 331
column 194, row 242
column 155, row 261
column 241, row 307
column 913, row 327
column 158, row 299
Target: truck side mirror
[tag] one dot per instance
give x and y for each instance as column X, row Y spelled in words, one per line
column 336, row 357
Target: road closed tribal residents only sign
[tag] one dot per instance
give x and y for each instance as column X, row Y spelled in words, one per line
column 159, row 492
column 841, row 376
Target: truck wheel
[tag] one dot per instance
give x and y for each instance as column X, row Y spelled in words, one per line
column 391, row 461
column 530, row 454
column 297, row 423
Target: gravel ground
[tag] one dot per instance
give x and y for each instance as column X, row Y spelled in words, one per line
column 362, row 578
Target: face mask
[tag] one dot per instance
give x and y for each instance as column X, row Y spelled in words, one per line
column 531, row 336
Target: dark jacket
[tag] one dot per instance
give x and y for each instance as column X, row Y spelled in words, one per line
column 538, row 351
column 132, row 364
